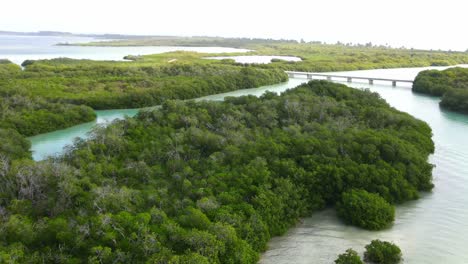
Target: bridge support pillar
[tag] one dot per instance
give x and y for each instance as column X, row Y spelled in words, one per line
column 309, row 76
column 371, row 81
column 329, row 78
column 393, row 83
column 350, row 79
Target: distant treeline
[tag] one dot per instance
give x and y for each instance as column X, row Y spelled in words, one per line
column 212, row 182
column 451, row 84
column 316, row 56
column 327, row 58
column 185, row 41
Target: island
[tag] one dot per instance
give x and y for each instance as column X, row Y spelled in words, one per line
column 451, row 84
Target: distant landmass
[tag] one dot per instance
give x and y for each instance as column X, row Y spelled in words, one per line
column 69, row 34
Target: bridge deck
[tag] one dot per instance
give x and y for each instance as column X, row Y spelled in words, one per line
column 346, row 76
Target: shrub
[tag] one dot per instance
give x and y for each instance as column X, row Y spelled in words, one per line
column 382, row 252
column 366, row 210
column 349, row 257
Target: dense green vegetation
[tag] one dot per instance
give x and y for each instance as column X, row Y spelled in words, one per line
column 349, row 257
column 202, row 182
column 456, row 100
column 25, row 112
column 149, row 82
column 53, row 94
column 320, row 57
column 366, row 210
column 451, row 84
column 209, row 182
column 13, row 145
column 382, row 252
column 377, row 252
column 316, row 56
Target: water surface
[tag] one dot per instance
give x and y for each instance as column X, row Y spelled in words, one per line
column 20, row 48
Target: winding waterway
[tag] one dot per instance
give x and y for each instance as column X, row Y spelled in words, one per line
column 432, row 229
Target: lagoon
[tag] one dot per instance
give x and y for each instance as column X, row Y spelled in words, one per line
column 20, row 48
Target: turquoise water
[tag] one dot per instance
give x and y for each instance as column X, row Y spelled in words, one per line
column 432, row 229
column 53, row 143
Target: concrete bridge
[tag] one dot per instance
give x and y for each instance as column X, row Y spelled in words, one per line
column 310, row 75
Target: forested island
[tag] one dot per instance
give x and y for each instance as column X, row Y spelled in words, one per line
column 211, row 182
column 451, row 84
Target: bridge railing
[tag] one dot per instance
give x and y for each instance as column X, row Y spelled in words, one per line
column 310, row 75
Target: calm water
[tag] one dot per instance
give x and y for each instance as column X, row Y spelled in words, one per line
column 432, row 229
column 21, row 48
column 53, row 143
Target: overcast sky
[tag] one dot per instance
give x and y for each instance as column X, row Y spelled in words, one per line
column 420, row 24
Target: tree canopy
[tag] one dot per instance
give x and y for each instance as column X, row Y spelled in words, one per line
column 382, row 252
column 349, row 257
column 367, row 210
column 209, row 182
column 54, row 94
column 451, row 84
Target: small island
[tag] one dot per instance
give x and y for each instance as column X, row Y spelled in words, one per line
column 451, row 84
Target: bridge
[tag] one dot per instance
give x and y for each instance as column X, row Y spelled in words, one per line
column 310, row 75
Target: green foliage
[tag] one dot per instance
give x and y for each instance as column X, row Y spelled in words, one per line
column 382, row 252
column 366, row 210
column 13, row 145
column 316, row 56
column 456, row 100
column 54, row 94
column 210, row 182
column 349, row 257
column 199, row 182
column 29, row 114
column 147, row 81
column 451, row 84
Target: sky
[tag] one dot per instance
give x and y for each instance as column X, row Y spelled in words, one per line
column 421, row 24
